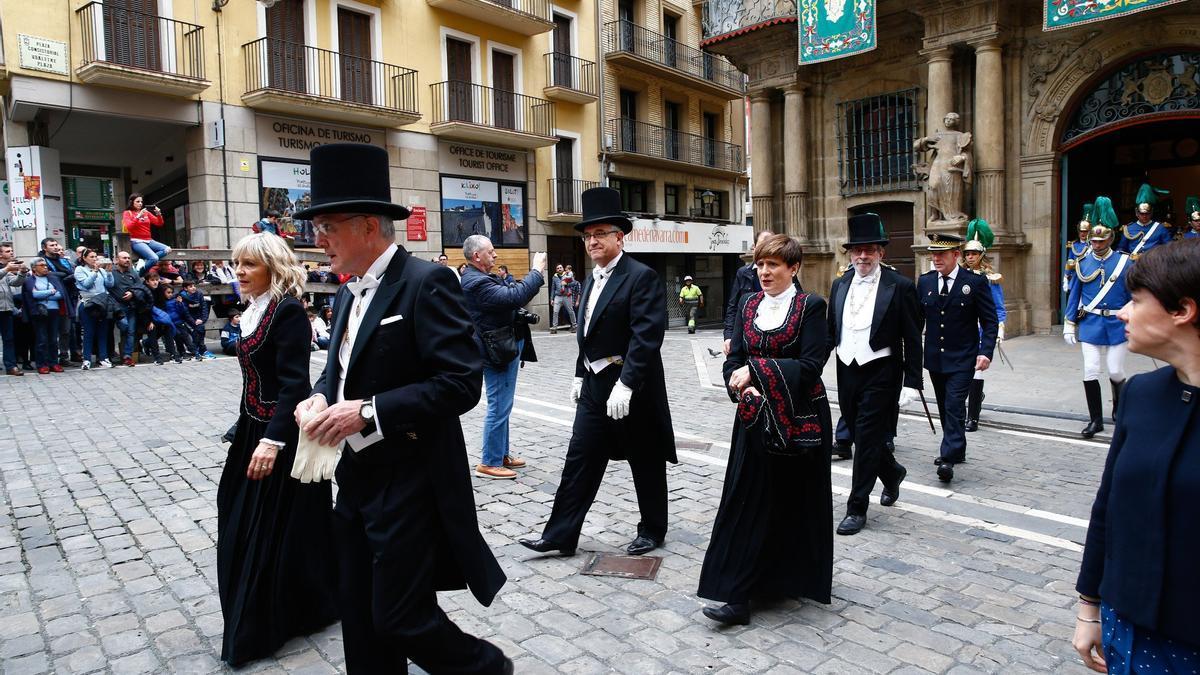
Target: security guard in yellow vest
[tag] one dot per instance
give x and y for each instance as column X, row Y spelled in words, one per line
column 692, row 299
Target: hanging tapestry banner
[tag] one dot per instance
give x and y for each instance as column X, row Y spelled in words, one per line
column 832, row 29
column 1058, row 14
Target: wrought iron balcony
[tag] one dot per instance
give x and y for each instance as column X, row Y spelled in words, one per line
column 661, row 146
column 628, row 43
column 566, row 198
column 473, row 112
column 722, row 18
column 135, row 50
column 297, row 79
column 527, row 17
column 570, row 78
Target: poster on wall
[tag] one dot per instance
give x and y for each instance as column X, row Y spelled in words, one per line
column 286, row 187
column 473, row 206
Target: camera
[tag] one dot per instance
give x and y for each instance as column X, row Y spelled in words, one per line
column 526, row 316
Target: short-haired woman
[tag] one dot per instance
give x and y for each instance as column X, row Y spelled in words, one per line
column 1138, row 584
column 274, row 541
column 44, row 305
column 773, row 535
column 138, row 220
column 93, row 282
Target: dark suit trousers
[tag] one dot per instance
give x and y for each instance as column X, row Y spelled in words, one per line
column 593, row 437
column 867, row 395
column 389, row 549
column 951, row 390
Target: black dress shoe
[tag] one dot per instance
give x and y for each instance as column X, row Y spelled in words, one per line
column 892, row 492
column 732, row 614
column 641, row 545
column 852, row 524
column 945, row 472
column 842, row 451
column 543, row 546
column 972, row 425
column 507, row 668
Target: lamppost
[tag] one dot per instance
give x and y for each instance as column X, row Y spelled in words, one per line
column 707, row 198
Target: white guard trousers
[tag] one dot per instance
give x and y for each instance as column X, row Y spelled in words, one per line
column 1114, row 355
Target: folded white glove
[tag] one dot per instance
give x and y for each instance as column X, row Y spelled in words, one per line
column 314, row 462
column 907, row 395
column 576, row 389
column 1000, row 333
column 1069, row 336
column 618, row 401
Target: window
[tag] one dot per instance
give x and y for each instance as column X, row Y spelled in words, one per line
column 714, row 210
column 671, row 194
column 635, row 194
column 875, row 143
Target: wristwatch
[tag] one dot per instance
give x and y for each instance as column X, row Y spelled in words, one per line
column 366, row 411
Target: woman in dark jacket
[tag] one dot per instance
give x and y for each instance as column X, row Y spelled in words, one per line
column 1138, row 583
column 44, row 304
column 275, row 570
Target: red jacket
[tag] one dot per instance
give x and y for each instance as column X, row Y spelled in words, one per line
column 138, row 224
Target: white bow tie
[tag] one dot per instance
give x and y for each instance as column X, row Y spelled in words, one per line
column 368, row 281
column 598, row 274
column 864, row 280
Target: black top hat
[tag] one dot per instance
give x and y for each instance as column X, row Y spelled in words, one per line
column 944, row 241
column 866, row 228
column 602, row 205
column 350, row 178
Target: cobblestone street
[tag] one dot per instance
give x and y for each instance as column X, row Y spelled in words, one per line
column 108, row 528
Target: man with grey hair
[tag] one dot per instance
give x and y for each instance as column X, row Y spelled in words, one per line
column 493, row 306
column 12, row 277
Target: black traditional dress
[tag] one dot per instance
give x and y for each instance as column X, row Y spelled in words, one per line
column 773, row 535
column 275, row 559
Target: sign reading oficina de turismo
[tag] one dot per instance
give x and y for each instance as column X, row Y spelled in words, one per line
column 667, row 236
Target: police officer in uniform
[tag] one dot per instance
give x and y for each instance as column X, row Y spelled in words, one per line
column 960, row 335
column 1097, row 292
column 1144, row 233
column 1078, row 248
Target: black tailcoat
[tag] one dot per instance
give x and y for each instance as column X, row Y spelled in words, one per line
column 897, row 321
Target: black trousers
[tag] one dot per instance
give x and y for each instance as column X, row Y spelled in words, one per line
column 951, row 390
column 867, row 395
column 593, row 436
column 389, row 547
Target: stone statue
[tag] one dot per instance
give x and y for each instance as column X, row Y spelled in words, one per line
column 945, row 174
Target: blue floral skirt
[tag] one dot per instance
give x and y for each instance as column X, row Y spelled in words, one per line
column 1130, row 650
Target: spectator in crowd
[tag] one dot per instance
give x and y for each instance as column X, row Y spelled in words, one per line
column 231, row 333
column 1138, row 587
column 176, row 308
column 565, row 293
column 93, row 278
column 44, row 303
column 321, row 319
column 505, row 276
column 493, row 306
column 64, row 271
column 135, row 299
column 197, row 309
column 220, row 273
column 13, row 273
column 269, row 223
column 159, row 329
column 137, row 220
column 197, row 271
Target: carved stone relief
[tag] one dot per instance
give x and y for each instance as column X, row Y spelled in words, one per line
column 1044, row 57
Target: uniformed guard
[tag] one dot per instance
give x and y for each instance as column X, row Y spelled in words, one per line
column 1097, row 292
column 1193, row 215
column 979, row 240
column 1078, row 248
column 960, row 335
column 1144, row 233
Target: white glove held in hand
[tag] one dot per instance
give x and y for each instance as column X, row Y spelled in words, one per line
column 618, row 401
column 576, row 389
column 1066, row 285
column 1069, row 336
column 907, row 395
column 1000, row 333
column 314, row 462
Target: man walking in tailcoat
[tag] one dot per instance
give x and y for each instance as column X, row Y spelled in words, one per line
column 402, row 368
column 875, row 325
column 619, row 388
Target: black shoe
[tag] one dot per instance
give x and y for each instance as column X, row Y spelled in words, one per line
column 158, row 361
column 507, row 668
column 892, row 492
column 971, row 425
column 732, row 614
column 28, row 366
column 641, row 545
column 1091, row 390
column 691, row 331
column 76, row 357
column 843, row 451
column 945, row 472
column 543, row 546
column 852, row 524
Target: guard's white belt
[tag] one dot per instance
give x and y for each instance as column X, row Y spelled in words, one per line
column 1102, row 312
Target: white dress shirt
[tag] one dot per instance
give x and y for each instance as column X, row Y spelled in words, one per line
column 358, row 308
column 953, row 275
column 600, row 277
column 773, row 309
column 858, row 313
column 254, row 313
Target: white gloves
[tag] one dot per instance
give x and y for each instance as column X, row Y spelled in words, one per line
column 576, row 389
column 1069, row 335
column 314, row 462
column 907, row 395
column 1000, row 333
column 618, row 401
column 1066, row 286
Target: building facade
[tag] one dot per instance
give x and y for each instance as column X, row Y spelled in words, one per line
column 1056, row 118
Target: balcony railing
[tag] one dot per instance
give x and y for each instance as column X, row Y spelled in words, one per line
column 726, row 16
column 132, row 39
column 527, row 17
column 468, row 103
column 565, row 194
column 278, row 65
column 571, row 72
column 649, row 140
column 630, row 38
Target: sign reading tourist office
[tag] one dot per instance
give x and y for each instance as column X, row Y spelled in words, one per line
column 483, row 192
column 284, row 183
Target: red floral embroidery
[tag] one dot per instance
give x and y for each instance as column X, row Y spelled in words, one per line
column 252, row 401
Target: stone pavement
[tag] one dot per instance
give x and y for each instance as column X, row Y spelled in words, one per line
column 108, row 526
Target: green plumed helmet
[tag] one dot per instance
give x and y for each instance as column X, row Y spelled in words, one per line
column 1104, row 214
column 1148, row 194
column 979, row 230
column 1193, row 206
column 1087, row 212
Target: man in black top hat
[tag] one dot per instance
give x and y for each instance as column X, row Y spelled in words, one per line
column 875, row 325
column 960, row 335
column 619, row 388
column 402, row 368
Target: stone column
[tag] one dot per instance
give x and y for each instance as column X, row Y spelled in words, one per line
column 940, row 95
column 795, row 163
column 761, row 159
column 989, row 133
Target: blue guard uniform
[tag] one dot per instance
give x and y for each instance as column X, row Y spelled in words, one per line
column 1136, row 238
column 1193, row 217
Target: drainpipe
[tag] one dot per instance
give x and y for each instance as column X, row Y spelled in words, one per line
column 217, row 6
column 600, row 67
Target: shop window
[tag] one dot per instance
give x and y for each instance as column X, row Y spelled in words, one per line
column 635, row 194
column 673, row 197
column 709, row 203
column 875, row 143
